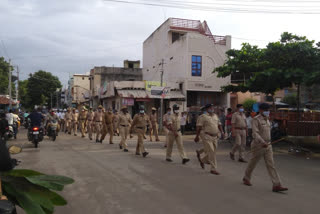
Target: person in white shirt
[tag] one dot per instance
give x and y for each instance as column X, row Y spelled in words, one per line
column 183, row 122
column 9, row 117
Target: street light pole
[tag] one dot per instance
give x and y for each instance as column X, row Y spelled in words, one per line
column 161, row 101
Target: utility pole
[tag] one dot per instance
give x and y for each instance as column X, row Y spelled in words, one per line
column 161, row 101
column 10, row 93
column 17, row 89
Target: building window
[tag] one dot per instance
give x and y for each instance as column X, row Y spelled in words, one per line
column 175, row 36
column 196, row 66
column 130, row 65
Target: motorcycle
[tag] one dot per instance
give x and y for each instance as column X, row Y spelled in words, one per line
column 35, row 135
column 10, row 132
column 52, row 130
column 26, row 123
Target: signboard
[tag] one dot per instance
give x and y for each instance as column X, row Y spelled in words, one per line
column 150, row 84
column 128, row 101
column 157, row 90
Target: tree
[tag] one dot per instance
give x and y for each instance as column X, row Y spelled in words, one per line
column 290, row 99
column 248, row 103
column 23, row 93
column 4, row 77
column 292, row 60
column 41, row 85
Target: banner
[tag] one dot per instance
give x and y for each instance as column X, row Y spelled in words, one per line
column 128, row 101
column 149, row 84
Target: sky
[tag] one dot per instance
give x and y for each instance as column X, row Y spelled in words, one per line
column 65, row 37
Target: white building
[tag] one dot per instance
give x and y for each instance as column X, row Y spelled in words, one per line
column 80, row 89
column 189, row 53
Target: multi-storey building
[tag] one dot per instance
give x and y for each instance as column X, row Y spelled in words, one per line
column 185, row 52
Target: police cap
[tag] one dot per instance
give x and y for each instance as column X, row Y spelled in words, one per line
column 264, row 106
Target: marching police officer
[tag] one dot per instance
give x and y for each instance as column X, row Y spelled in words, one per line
column 154, row 123
column 140, row 122
column 115, row 123
column 107, row 122
column 74, row 118
column 82, row 119
column 123, row 125
column 208, row 127
column 239, row 132
column 261, row 147
column 173, row 125
column 90, row 123
column 164, row 123
column 68, row 119
column 98, row 115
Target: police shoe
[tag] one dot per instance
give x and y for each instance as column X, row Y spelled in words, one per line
column 214, row 172
column 137, row 153
column 126, row 150
column 111, row 143
column 90, row 138
column 168, row 159
column 242, row 160
column 279, row 188
column 246, row 182
column 120, row 147
column 185, row 160
column 145, row 154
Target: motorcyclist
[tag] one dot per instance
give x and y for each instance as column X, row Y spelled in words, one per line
column 36, row 118
column 51, row 117
column 3, row 124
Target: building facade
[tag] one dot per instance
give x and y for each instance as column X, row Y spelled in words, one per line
column 101, row 77
column 183, row 53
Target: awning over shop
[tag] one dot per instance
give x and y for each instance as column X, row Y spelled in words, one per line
column 134, row 93
column 127, row 93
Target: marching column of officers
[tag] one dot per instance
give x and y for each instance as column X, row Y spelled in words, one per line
column 209, row 129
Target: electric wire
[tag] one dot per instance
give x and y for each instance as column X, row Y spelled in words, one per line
column 263, row 9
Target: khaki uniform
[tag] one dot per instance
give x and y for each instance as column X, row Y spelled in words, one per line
column 202, row 149
column 165, row 129
column 261, row 134
column 239, row 122
column 154, row 125
column 68, row 119
column 107, row 126
column 83, row 118
column 90, row 123
column 140, row 122
column 209, row 136
column 124, row 127
column 98, row 116
column 174, row 121
column 115, row 123
column 75, row 118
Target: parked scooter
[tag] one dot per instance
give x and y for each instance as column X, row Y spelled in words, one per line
column 35, row 135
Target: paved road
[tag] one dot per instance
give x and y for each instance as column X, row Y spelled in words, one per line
column 110, row 181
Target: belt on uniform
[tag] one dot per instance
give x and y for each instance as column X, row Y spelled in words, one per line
column 140, row 127
column 212, row 135
column 124, row 125
column 108, row 123
column 98, row 121
column 178, row 130
column 240, row 128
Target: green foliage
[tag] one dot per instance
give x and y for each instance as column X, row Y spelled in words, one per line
column 292, row 60
column 290, row 99
column 32, row 190
column 40, row 86
column 248, row 103
column 4, row 77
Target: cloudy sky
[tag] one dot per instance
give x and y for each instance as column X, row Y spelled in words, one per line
column 71, row 36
